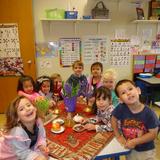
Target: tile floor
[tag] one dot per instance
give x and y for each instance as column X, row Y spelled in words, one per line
column 157, row 141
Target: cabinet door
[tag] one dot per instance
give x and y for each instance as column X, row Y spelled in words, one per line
column 20, row 12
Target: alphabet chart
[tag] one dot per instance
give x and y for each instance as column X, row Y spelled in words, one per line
column 120, row 52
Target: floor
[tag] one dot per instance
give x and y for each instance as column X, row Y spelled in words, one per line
column 157, row 141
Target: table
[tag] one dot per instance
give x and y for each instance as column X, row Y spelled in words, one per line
column 153, row 84
column 113, row 149
column 89, row 144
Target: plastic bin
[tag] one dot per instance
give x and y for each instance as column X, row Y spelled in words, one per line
column 71, row 14
column 55, row 13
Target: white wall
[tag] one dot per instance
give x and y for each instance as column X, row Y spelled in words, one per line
column 121, row 15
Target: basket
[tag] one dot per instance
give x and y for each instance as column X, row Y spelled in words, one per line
column 55, row 13
column 100, row 11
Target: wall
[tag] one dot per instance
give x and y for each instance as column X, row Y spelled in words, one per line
column 121, row 15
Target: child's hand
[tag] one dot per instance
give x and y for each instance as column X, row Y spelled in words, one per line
column 130, row 144
column 44, row 149
column 41, row 158
column 121, row 140
column 90, row 126
column 84, row 121
column 52, row 103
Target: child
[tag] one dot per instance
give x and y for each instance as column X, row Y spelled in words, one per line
column 57, row 85
column 109, row 80
column 104, row 110
column 26, row 87
column 139, row 124
column 24, row 136
column 44, row 86
column 94, row 82
column 77, row 78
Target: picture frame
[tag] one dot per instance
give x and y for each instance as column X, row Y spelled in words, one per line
column 140, row 13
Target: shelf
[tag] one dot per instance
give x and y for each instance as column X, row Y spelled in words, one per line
column 76, row 20
column 146, row 21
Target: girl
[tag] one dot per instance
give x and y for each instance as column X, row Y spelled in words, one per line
column 57, row 86
column 44, row 87
column 94, row 81
column 26, row 87
column 24, row 136
column 104, row 110
column 109, row 81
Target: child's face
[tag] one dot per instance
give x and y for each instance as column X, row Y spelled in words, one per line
column 28, row 87
column 26, row 111
column 128, row 93
column 78, row 70
column 102, row 103
column 109, row 83
column 96, row 71
column 45, row 87
column 58, row 82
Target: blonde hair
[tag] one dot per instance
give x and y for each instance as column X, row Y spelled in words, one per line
column 55, row 75
column 78, row 63
column 110, row 73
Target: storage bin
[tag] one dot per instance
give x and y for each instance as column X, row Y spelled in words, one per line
column 55, row 13
column 71, row 14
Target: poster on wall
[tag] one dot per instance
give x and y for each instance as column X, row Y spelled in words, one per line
column 94, row 48
column 9, row 46
column 10, row 58
column 47, row 49
column 70, row 51
column 119, row 52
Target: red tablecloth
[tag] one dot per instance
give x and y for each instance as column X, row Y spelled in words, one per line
column 76, row 145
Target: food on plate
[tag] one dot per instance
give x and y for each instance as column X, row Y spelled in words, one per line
column 56, row 126
column 78, row 128
column 77, row 118
column 60, row 121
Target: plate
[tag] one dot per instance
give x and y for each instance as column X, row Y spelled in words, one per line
column 145, row 75
column 60, row 131
column 58, row 120
column 78, row 128
column 77, row 118
column 92, row 120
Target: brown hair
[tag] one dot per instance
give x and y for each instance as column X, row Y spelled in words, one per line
column 11, row 113
column 103, row 91
column 122, row 82
column 78, row 63
column 97, row 64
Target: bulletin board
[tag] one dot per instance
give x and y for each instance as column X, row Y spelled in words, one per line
column 10, row 57
column 145, row 63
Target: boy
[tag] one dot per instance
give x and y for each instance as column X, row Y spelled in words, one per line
column 77, row 78
column 139, row 124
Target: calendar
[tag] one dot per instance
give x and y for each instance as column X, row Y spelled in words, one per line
column 10, row 57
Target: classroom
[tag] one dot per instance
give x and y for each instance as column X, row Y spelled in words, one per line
column 46, row 39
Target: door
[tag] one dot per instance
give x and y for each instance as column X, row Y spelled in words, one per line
column 20, row 12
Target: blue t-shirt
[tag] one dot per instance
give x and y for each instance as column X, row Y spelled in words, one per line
column 134, row 125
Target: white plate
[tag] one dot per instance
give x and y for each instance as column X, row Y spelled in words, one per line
column 58, row 120
column 60, row 131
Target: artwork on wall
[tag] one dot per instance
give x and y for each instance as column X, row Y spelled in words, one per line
column 10, row 57
column 70, row 51
column 119, row 52
column 47, row 49
column 94, row 48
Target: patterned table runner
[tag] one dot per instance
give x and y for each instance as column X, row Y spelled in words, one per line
column 74, row 145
